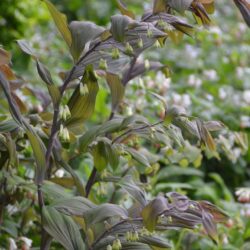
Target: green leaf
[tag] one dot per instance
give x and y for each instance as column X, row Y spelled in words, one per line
column 117, row 89
column 39, row 151
column 62, row 228
column 77, row 180
column 130, row 186
column 137, row 156
column 155, row 241
column 159, row 6
column 123, row 9
column 100, row 156
column 82, row 32
column 60, row 21
column 44, row 73
column 25, row 47
column 180, row 5
column 46, row 77
column 77, row 206
column 151, row 212
column 8, row 125
column 244, row 7
column 35, row 141
column 54, row 192
column 103, row 212
column 5, row 57
column 113, row 156
column 89, row 136
column 119, row 24
column 205, row 135
column 82, row 105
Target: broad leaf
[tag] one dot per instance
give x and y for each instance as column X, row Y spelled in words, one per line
column 82, row 105
column 82, row 32
column 180, row 5
column 103, row 212
column 151, row 212
column 77, row 206
column 119, row 24
column 62, row 228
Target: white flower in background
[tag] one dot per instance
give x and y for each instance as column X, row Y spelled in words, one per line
column 242, row 27
column 215, row 30
column 243, row 195
column 181, row 100
column 225, row 239
column 27, row 243
column 211, row 75
column 59, row 173
column 176, row 98
column 209, row 97
column 237, row 152
column 242, row 71
column 12, row 209
column 129, row 110
column 222, row 93
column 194, row 81
column 239, row 72
column 186, row 100
column 245, row 121
column 246, row 96
column 192, row 51
column 162, row 80
column 12, row 244
column 225, row 59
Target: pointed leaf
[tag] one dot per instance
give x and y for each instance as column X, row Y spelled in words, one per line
column 77, row 206
column 244, row 7
column 103, row 212
column 180, row 5
column 119, row 24
column 82, row 105
column 123, row 9
column 117, row 89
column 26, row 48
column 82, row 32
column 62, row 228
column 5, row 57
column 60, row 21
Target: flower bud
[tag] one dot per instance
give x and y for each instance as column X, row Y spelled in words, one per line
column 109, row 247
column 64, row 134
column 84, row 89
column 149, row 33
column 140, row 43
column 116, row 245
column 128, row 236
column 103, row 64
column 146, row 64
column 64, row 113
column 115, row 53
column 169, row 219
column 135, row 236
column 129, row 49
column 157, row 44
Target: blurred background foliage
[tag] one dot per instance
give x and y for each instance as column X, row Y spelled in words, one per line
column 209, row 77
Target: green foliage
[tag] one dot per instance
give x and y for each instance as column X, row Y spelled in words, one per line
column 104, row 156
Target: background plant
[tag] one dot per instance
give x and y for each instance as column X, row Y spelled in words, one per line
column 120, row 138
